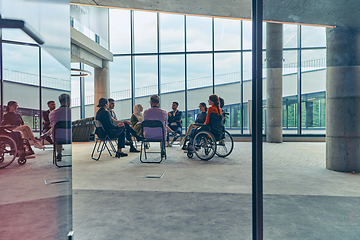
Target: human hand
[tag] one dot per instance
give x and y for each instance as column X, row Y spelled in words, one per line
column 120, row 124
column 169, row 114
column 127, row 122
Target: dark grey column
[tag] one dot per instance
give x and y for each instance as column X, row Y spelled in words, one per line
column 274, row 42
column 101, row 84
column 343, row 99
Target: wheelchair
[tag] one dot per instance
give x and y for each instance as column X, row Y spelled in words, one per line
column 214, row 140
column 13, row 146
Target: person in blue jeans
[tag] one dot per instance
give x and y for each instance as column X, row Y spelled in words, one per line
column 174, row 123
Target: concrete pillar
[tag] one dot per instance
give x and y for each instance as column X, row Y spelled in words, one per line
column 343, row 99
column 274, row 57
column 101, row 83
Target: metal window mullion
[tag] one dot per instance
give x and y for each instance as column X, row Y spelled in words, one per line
column 132, row 59
column 158, row 54
column 82, row 93
column 299, row 79
column 40, row 93
column 186, row 93
column 257, row 177
column 213, row 56
column 241, row 78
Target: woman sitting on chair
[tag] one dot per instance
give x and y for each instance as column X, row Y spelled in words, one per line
column 215, row 108
column 111, row 129
column 136, row 118
column 12, row 118
column 200, row 119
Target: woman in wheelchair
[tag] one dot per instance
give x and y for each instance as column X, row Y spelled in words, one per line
column 16, row 122
column 215, row 110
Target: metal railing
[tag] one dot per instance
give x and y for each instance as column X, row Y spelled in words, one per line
column 288, row 68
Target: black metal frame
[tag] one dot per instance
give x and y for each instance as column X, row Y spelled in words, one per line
column 61, row 125
column 153, row 124
column 106, row 140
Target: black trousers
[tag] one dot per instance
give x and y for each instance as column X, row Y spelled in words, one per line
column 120, row 135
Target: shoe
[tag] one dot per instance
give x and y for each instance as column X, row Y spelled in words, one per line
column 128, row 143
column 121, row 154
column 170, row 144
column 134, row 150
column 39, row 145
column 138, row 138
column 166, row 144
column 58, row 157
column 147, row 146
column 43, row 136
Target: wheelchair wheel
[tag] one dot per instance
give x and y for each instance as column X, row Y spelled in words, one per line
column 21, row 160
column 204, row 145
column 225, row 146
column 190, row 154
column 8, row 151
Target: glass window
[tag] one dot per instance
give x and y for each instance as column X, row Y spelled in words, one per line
column 75, row 95
column 313, row 36
column 228, row 86
column 289, row 36
column 145, row 32
column 89, row 92
column 198, row 33
column 247, row 89
column 120, row 86
column 171, row 33
column 227, row 34
column 146, row 79
column 119, row 31
column 247, row 34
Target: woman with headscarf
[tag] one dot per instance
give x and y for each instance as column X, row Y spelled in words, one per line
column 136, row 118
column 14, row 119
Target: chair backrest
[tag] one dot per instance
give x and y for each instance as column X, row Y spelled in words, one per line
column 216, row 125
column 62, row 132
column 153, row 124
column 100, row 130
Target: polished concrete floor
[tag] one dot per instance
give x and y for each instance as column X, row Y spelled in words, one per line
column 212, row 200
column 194, row 199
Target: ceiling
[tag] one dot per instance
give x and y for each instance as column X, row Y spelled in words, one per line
column 339, row 13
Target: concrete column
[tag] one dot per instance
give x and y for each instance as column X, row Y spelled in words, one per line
column 343, row 99
column 101, row 83
column 274, row 57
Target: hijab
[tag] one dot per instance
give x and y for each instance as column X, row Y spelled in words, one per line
column 138, row 114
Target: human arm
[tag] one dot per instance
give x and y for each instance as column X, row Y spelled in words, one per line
column 211, row 110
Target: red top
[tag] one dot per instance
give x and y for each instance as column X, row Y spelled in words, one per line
column 212, row 109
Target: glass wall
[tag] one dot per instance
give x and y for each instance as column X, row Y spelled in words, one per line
column 210, row 55
column 35, row 193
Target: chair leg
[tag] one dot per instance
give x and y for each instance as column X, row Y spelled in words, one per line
column 97, row 150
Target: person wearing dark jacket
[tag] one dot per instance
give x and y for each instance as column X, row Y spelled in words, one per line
column 111, row 129
column 174, row 123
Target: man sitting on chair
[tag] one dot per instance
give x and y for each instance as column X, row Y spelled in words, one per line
column 155, row 113
column 174, row 122
column 63, row 113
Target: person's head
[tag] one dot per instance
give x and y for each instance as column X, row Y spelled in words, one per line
column 103, row 103
column 174, row 106
column 138, row 108
column 222, row 102
column 154, row 100
column 64, row 99
column 214, row 101
column 11, row 106
column 202, row 107
column 111, row 103
column 51, row 105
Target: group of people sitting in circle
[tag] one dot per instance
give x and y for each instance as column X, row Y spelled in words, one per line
column 124, row 130
column 15, row 122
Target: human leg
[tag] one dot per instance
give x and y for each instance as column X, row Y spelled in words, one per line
column 121, row 144
column 28, row 134
column 130, row 131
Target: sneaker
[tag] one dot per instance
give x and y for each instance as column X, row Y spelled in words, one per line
column 39, row 145
column 166, row 144
column 58, row 157
column 121, row 154
column 134, row 150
